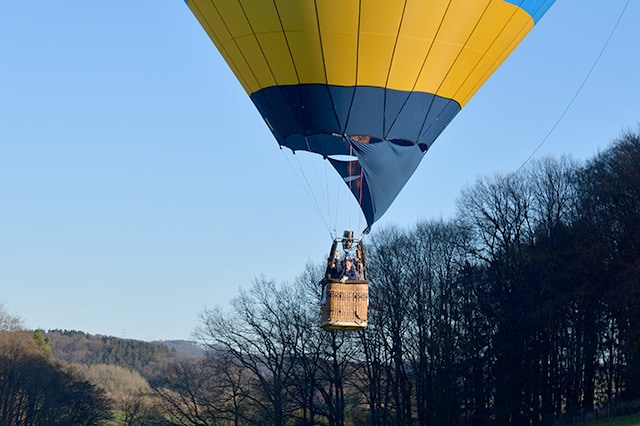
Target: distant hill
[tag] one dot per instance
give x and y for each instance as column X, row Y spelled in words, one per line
column 144, row 357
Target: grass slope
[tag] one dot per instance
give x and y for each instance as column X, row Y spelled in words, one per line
column 615, row 421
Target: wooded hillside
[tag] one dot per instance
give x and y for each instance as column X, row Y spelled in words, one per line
column 145, row 357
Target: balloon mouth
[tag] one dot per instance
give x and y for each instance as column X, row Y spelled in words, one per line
column 342, row 157
column 364, row 139
column 397, row 141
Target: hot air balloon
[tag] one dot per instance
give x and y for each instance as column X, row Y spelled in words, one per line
column 367, row 85
column 374, row 80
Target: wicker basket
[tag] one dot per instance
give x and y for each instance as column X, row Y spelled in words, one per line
column 344, row 305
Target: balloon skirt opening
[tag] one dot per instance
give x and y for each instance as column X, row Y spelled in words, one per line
column 345, row 305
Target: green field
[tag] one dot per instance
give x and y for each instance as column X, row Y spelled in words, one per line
column 627, row 420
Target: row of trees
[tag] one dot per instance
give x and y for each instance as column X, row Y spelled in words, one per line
column 523, row 309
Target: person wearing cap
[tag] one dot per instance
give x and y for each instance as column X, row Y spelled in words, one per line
column 345, row 270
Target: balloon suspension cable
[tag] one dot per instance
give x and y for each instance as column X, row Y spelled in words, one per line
column 584, row 81
column 315, row 182
column 306, row 186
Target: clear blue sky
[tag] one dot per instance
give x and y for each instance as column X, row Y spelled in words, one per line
column 138, row 185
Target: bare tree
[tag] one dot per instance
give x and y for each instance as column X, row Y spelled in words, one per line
column 497, row 212
column 435, row 258
column 610, row 207
column 388, row 256
column 9, row 322
column 260, row 338
column 191, row 393
column 310, row 379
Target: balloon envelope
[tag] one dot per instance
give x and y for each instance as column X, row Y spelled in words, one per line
column 374, row 80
